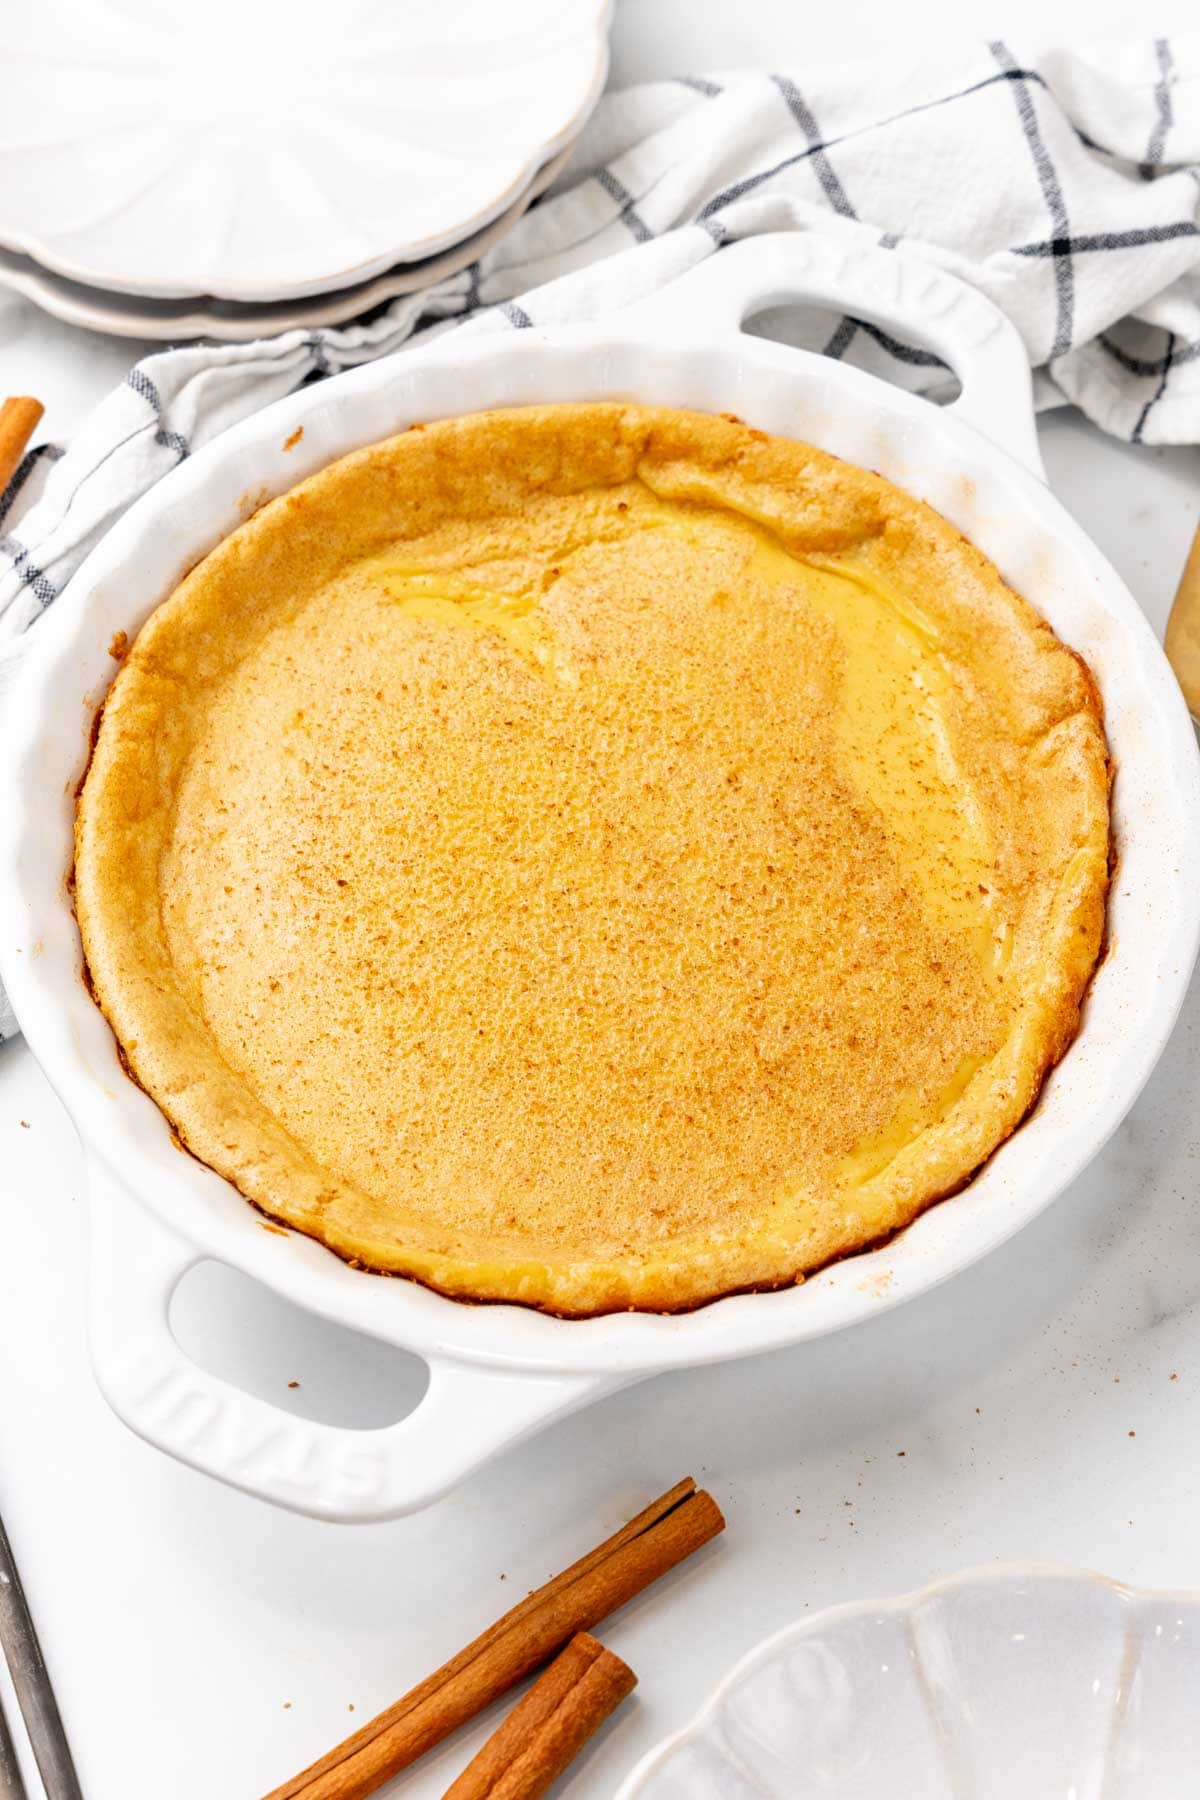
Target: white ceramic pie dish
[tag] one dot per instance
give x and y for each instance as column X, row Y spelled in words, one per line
column 1016, row 1682
column 498, row 1373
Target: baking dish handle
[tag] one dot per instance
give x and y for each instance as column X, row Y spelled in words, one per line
column 467, row 1415
column 887, row 288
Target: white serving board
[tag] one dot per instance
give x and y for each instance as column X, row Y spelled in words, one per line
column 179, row 1618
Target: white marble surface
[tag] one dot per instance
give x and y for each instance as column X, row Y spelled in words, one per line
column 1047, row 1403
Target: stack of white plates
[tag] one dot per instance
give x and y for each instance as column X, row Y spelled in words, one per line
column 254, row 165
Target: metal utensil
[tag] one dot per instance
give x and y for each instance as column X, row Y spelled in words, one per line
column 12, row 1782
column 1182, row 642
column 35, row 1696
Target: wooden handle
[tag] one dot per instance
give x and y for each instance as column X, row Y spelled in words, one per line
column 1183, row 632
column 18, row 417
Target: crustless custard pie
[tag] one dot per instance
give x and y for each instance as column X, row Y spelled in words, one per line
column 594, row 856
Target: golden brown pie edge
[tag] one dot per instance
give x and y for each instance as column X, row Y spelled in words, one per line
column 838, row 498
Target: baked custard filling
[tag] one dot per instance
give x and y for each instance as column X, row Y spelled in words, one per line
column 594, row 856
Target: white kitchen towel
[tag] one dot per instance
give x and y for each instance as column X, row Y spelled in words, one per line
column 1063, row 183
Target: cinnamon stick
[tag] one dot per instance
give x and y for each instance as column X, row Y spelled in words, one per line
column 670, row 1529
column 549, row 1727
column 18, row 417
column 1183, row 631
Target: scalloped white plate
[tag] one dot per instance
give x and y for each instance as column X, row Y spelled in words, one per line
column 265, row 152
column 1007, row 1683
column 232, row 322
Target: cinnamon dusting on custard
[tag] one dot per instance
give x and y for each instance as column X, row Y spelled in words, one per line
column 595, row 857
